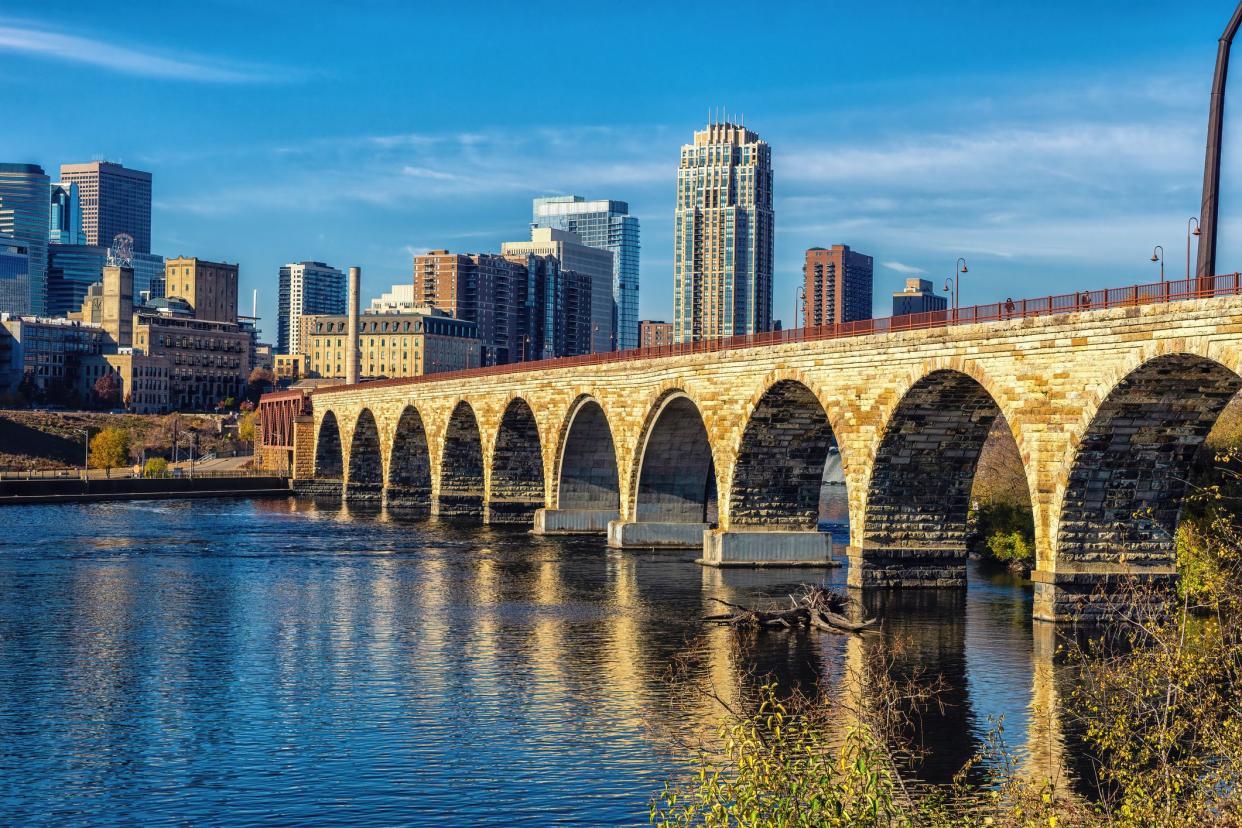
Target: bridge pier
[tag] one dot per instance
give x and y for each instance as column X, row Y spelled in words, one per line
column 1091, row 595
column 370, row 494
column 906, row 567
column 573, row 521
column 458, row 506
column 510, row 512
column 641, row 534
column 408, row 500
column 764, row 547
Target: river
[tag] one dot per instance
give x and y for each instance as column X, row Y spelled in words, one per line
column 277, row 662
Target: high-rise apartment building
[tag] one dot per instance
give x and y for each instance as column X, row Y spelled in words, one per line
column 723, row 225
column 398, row 300
column 552, row 309
column 210, row 288
column 607, row 225
column 477, row 287
column 114, row 199
column 918, row 297
column 593, row 262
column 306, row 288
column 838, row 286
column 25, row 208
column 65, row 224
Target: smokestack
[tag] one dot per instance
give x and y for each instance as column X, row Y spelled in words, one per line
column 351, row 333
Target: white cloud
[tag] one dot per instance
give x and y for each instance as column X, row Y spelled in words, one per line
column 42, row 42
column 909, row 270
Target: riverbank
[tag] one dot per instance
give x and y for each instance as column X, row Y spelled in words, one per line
column 20, row 492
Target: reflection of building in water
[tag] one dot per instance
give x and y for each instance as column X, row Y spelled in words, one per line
column 834, row 507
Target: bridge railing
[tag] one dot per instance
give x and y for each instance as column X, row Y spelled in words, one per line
column 1134, row 295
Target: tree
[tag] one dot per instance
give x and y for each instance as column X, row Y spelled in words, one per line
column 107, row 390
column 246, row 427
column 109, row 449
column 261, row 379
column 155, row 467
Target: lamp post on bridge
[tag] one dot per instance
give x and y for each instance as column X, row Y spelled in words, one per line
column 799, row 304
column 1157, row 255
column 1195, row 232
column 959, row 268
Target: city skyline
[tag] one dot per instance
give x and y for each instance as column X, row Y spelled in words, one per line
column 1044, row 163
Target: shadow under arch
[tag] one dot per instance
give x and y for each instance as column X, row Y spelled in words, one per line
column 409, row 466
column 918, row 494
column 587, row 474
column 365, row 483
column 785, row 449
column 461, row 466
column 329, row 459
column 675, row 473
column 517, row 484
column 1128, row 480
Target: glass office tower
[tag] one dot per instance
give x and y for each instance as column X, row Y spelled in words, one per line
column 306, row 288
column 25, row 209
column 723, row 224
column 73, row 268
column 66, row 219
column 608, row 225
column 14, row 275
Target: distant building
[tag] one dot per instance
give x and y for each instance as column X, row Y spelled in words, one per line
column 478, row 288
column 552, row 309
column 607, row 225
column 289, row 367
column 25, row 209
column 838, row 286
column 398, row 300
column 14, row 274
column 65, row 221
column 918, row 297
column 264, row 356
column 723, row 226
column 589, row 261
column 114, row 199
column 141, row 379
column 392, row 344
column 210, row 288
column 45, row 354
column 209, row 360
column 653, row 333
column 73, row 268
column 306, row 288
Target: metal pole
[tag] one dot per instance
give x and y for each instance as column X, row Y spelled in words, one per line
column 1211, row 161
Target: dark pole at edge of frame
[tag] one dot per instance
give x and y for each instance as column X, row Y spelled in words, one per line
column 1211, row 163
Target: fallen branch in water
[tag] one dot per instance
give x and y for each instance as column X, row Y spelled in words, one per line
column 814, row 608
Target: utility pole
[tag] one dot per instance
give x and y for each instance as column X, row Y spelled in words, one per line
column 1211, row 163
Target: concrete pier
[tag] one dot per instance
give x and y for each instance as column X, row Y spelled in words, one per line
column 573, row 521
column 762, row 547
column 629, row 533
column 889, row 567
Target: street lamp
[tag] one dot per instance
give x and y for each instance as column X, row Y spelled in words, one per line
column 948, row 288
column 1157, row 255
column 799, row 304
column 1195, row 232
column 958, row 269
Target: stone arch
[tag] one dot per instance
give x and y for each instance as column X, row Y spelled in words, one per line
column 461, row 466
column 365, row 482
column 1124, row 490
column 781, row 458
column 913, row 529
column 587, row 474
column 329, row 457
column 517, row 484
column 675, row 473
column 409, row 464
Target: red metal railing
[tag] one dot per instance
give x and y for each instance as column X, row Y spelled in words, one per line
column 1158, row 292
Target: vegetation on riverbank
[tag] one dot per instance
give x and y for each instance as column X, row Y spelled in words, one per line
column 33, row 440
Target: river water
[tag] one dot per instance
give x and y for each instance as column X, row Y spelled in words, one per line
column 278, row 662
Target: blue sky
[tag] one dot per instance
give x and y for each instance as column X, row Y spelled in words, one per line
column 1050, row 144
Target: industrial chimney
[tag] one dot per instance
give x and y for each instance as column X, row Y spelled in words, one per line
column 351, row 334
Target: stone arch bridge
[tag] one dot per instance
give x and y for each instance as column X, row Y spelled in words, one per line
column 724, row 447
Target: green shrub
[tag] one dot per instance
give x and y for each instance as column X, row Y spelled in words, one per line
column 1004, row 532
column 1011, row 547
column 155, row 467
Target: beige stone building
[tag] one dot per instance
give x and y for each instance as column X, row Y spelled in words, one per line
column 210, row 288
column 208, row 361
column 289, row 366
column 393, row 344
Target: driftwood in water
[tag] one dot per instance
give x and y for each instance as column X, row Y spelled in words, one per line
column 814, row 608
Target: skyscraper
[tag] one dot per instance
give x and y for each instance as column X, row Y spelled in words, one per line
column 608, row 225
column 838, row 285
column 14, row 274
column 478, row 287
column 722, row 256
column 25, row 207
column 66, row 218
column 73, row 268
column 306, row 288
column 593, row 262
column 115, row 199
